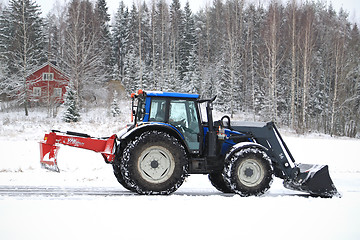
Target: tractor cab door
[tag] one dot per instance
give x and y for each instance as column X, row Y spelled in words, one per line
column 183, row 114
column 180, row 113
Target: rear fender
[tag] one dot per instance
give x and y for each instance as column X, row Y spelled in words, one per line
column 137, row 131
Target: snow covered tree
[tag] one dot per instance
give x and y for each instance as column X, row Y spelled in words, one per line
column 131, row 79
column 104, row 38
column 160, row 35
column 22, row 43
column 187, row 50
column 133, row 61
column 176, row 34
column 296, row 63
column 307, row 51
column 223, row 86
column 192, row 78
column 253, row 21
column 115, row 109
column 71, row 113
column 120, row 33
column 351, row 90
column 55, row 25
column 83, row 56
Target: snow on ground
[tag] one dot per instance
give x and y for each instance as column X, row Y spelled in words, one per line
column 195, row 211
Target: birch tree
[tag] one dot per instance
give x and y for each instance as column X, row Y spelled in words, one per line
column 293, row 27
column 307, row 44
column 82, row 56
column 272, row 59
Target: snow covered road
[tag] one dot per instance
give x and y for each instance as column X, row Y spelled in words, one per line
column 85, row 201
column 196, row 185
column 190, row 213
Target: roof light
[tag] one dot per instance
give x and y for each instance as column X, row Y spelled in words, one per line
column 140, row 91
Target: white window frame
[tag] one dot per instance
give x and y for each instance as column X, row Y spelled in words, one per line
column 48, row 76
column 57, row 92
column 36, row 91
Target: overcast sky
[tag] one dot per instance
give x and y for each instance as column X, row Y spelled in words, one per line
column 351, row 6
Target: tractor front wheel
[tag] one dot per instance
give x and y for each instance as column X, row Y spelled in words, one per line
column 154, row 163
column 248, row 171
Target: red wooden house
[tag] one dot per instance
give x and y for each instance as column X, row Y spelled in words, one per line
column 47, row 84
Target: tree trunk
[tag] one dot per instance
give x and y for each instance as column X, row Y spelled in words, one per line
column 293, row 65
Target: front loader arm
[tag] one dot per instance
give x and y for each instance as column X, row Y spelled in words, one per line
column 310, row 178
column 51, row 144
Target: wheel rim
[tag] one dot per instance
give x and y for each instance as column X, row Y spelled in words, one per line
column 156, row 164
column 250, row 173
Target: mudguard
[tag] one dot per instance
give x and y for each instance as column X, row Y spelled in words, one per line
column 240, row 145
column 138, row 130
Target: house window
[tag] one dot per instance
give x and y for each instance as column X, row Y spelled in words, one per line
column 37, row 91
column 57, row 92
column 48, row 76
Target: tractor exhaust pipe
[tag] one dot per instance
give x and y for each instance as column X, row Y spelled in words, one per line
column 313, row 179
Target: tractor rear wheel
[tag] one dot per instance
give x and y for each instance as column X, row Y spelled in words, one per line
column 248, row 171
column 154, row 163
column 119, row 177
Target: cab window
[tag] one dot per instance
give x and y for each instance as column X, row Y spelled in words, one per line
column 157, row 110
column 183, row 115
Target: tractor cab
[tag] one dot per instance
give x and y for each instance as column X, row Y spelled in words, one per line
column 175, row 111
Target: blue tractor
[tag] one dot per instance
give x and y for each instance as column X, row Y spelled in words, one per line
column 169, row 139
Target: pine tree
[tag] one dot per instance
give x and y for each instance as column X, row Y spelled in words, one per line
column 22, row 45
column 160, row 43
column 192, row 78
column 187, row 47
column 133, row 62
column 71, row 113
column 120, row 41
column 115, row 109
column 223, row 87
column 55, row 25
column 144, row 44
column 131, row 79
column 176, row 33
column 104, row 38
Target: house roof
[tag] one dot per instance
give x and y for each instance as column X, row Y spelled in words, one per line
column 52, row 66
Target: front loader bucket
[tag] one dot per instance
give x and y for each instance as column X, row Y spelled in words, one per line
column 313, row 179
column 48, row 154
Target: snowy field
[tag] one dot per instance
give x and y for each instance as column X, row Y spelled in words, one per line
column 195, row 211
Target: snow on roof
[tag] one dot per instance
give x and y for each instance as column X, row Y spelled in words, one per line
column 52, row 66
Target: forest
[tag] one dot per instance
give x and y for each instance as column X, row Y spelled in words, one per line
column 295, row 63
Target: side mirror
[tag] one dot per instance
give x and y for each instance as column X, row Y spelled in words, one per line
column 225, row 122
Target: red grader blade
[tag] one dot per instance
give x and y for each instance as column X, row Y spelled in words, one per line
column 48, row 154
column 50, row 147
